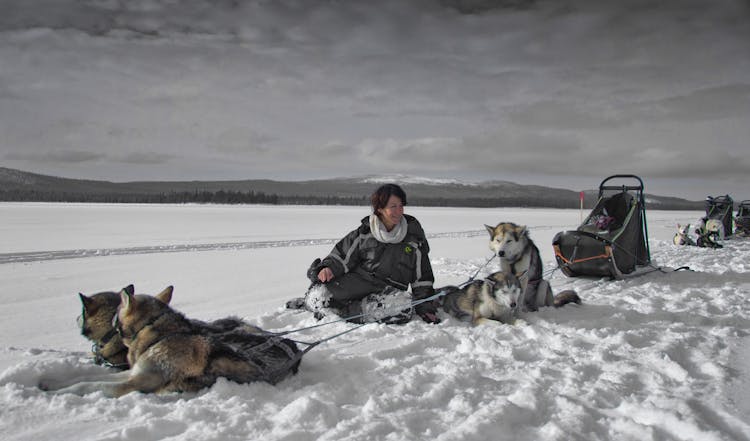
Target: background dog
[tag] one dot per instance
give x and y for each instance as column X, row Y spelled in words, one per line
column 99, row 310
column 682, row 236
column 483, row 301
column 710, row 232
column 715, row 228
column 520, row 257
column 169, row 353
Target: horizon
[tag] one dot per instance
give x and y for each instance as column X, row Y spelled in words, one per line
column 374, row 179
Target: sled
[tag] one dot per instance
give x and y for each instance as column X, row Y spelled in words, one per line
column 613, row 239
column 742, row 220
column 720, row 208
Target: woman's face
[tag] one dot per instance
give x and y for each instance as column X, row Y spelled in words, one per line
column 392, row 213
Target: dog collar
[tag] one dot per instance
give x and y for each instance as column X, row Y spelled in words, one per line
column 103, row 361
column 108, row 336
column 118, row 327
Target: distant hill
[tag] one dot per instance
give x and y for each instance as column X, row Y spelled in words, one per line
column 17, row 185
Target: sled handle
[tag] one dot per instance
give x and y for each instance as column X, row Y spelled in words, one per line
column 602, row 187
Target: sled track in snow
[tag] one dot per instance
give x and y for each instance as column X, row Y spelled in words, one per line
column 38, row 256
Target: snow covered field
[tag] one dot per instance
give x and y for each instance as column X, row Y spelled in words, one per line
column 665, row 356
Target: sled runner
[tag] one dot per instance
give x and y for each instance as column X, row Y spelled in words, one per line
column 613, row 240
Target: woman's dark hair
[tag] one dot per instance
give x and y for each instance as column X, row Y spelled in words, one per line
column 379, row 198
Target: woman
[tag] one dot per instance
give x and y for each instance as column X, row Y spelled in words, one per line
column 374, row 263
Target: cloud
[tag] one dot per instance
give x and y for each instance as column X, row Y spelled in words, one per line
column 242, row 141
column 307, row 88
column 562, row 115
column 518, row 152
column 57, row 156
column 708, row 162
column 144, row 158
column 706, row 104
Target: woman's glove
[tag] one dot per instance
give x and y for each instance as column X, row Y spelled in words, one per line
column 312, row 272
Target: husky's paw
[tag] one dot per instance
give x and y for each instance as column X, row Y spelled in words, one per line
column 296, row 303
column 56, row 385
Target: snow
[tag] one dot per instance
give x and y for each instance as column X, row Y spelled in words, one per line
column 408, row 179
column 662, row 356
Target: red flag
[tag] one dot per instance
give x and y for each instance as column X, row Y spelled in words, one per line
column 580, row 195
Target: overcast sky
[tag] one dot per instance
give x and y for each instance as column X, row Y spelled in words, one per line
column 559, row 92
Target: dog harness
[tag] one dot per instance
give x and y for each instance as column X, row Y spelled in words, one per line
column 98, row 348
column 533, row 275
column 101, row 358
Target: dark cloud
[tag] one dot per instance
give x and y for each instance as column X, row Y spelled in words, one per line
column 242, row 141
column 145, row 158
column 712, row 103
column 57, row 156
column 310, row 88
column 555, row 114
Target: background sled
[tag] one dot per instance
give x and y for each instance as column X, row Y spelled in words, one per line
column 742, row 220
column 613, row 240
column 720, row 208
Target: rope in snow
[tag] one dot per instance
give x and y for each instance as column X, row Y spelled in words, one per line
column 396, row 309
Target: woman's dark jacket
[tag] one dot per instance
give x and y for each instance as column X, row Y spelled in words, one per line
column 397, row 264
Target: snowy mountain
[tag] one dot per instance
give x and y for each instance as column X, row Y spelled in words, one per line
column 19, row 185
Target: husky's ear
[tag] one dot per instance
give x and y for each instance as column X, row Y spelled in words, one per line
column 166, row 295
column 85, row 300
column 130, row 289
column 126, row 302
column 491, row 230
column 521, row 231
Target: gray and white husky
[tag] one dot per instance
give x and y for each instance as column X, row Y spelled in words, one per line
column 486, row 301
column 519, row 256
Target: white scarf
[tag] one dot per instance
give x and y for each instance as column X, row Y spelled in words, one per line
column 380, row 233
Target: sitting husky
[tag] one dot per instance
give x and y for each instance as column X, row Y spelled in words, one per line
column 169, row 353
column 682, row 236
column 519, row 256
column 483, row 301
column 95, row 321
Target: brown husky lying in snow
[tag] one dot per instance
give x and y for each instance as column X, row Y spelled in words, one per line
column 99, row 310
column 170, row 353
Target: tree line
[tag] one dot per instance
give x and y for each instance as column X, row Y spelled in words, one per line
column 176, row 197
column 257, row 197
column 253, row 197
